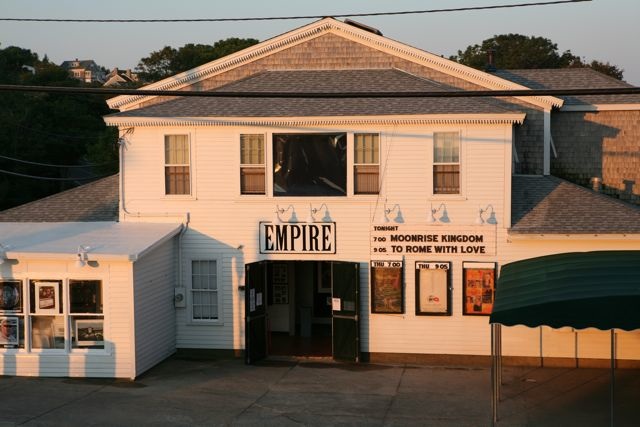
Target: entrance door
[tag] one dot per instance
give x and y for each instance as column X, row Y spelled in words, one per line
column 255, row 312
column 345, row 295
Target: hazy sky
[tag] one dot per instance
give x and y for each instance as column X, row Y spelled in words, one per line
column 606, row 30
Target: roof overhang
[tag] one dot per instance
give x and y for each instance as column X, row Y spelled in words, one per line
column 317, row 29
column 107, row 241
column 601, row 107
column 581, row 290
column 492, row 119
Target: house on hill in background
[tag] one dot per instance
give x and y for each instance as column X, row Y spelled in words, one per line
column 85, row 70
column 118, row 77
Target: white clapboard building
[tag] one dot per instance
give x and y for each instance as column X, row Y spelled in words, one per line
column 305, row 223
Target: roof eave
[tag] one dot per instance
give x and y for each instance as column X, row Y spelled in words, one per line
column 497, row 118
column 532, row 235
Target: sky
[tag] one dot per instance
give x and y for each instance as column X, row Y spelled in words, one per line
column 605, row 30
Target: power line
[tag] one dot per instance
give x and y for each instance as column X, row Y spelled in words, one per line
column 22, row 175
column 631, row 90
column 56, row 166
column 274, row 18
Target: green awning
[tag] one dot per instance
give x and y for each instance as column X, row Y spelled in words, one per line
column 581, row 289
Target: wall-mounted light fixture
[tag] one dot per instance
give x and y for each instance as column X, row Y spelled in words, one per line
column 313, row 211
column 3, row 253
column 443, row 218
column 492, row 217
column 280, row 211
column 385, row 219
column 83, row 256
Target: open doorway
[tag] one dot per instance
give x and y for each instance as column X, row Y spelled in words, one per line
column 299, row 308
column 302, row 308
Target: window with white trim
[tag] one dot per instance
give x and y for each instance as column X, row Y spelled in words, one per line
column 177, row 175
column 252, row 164
column 204, row 290
column 446, row 163
column 366, row 163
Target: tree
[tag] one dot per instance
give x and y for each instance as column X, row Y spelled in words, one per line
column 512, row 51
column 52, row 129
column 516, row 51
column 169, row 61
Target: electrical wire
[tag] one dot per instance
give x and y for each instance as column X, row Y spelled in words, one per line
column 57, row 166
column 630, row 90
column 274, row 18
column 22, row 175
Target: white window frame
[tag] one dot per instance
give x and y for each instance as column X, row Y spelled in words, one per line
column 262, row 166
column 189, row 270
column 27, row 315
column 191, row 193
column 461, row 195
column 355, row 164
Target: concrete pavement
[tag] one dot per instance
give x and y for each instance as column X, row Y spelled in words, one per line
column 188, row 392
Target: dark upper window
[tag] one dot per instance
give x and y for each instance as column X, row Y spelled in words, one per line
column 310, row 164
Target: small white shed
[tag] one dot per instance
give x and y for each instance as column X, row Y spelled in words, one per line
column 86, row 299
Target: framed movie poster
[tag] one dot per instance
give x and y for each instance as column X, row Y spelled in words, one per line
column 478, row 288
column 46, row 297
column 387, row 290
column 10, row 296
column 433, row 288
column 9, row 331
column 89, row 332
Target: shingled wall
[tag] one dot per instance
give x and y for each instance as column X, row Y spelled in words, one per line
column 604, row 144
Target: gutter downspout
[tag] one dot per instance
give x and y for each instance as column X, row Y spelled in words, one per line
column 124, row 212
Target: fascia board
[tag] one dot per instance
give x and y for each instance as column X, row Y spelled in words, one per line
column 509, row 118
column 601, row 107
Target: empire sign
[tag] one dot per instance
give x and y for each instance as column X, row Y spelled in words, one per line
column 298, row 238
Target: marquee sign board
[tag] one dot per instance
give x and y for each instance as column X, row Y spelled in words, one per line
column 400, row 239
column 298, row 238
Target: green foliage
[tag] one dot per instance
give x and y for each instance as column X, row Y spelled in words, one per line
column 48, row 128
column 513, row 51
column 516, row 51
column 169, row 61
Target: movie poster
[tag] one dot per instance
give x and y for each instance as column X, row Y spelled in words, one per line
column 387, row 291
column 479, row 288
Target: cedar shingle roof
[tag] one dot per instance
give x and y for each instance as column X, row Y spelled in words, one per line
column 571, row 78
column 550, row 205
column 96, row 201
column 338, row 81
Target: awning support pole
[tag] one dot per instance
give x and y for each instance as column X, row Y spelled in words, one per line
column 494, row 376
column 613, row 371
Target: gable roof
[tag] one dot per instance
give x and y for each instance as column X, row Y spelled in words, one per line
column 571, row 78
column 96, row 201
column 318, row 28
column 550, row 205
column 321, row 81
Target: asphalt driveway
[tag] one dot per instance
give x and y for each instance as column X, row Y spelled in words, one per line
column 189, row 392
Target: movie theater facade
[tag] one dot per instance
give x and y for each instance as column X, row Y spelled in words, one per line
column 366, row 228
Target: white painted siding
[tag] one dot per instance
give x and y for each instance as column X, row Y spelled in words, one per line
column 154, row 280
column 116, row 360
column 225, row 223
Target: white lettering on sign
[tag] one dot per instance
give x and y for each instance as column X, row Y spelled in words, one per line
column 298, row 238
column 406, row 239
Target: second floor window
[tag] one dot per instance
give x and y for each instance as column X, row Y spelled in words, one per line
column 177, row 175
column 446, row 163
column 310, row 164
column 366, row 159
column 252, row 164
